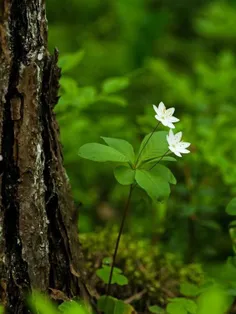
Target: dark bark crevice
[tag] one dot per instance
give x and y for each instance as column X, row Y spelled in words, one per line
column 60, row 255
column 39, row 247
column 17, row 275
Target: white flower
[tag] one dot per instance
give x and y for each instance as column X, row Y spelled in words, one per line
column 176, row 145
column 165, row 116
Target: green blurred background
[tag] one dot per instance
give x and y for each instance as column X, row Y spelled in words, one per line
column 179, row 52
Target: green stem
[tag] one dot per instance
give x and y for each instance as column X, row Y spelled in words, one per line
column 139, row 155
column 158, row 161
column 118, row 238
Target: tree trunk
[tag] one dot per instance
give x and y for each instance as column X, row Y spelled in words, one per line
column 39, row 246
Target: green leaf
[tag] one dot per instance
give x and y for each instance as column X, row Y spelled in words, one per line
column 116, row 100
column 86, row 96
column 107, row 261
column 110, row 305
column 232, row 224
column 190, row 306
column 1, row 309
column 101, row 153
column 231, row 208
column 155, row 186
column 189, row 289
column 210, row 224
column 232, row 233
column 72, row 307
column 120, row 307
column 69, row 85
column 214, row 300
column 169, row 158
column 106, row 304
column 117, row 277
column 115, row 84
column 181, row 306
column 71, row 94
column 165, row 158
column 164, row 172
column 121, row 280
column 70, row 60
column 122, row 146
column 175, row 308
column 156, row 309
column 124, row 175
column 156, row 146
column 231, row 292
column 40, row 304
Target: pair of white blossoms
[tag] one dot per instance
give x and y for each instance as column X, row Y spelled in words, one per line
column 165, row 116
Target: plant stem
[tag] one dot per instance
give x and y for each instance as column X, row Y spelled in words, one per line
column 159, row 160
column 139, row 155
column 119, row 236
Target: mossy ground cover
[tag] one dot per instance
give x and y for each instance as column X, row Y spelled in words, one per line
column 154, row 276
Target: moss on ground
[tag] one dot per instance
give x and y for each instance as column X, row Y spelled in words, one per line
column 153, row 276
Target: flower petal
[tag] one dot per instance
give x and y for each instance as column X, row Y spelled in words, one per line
column 170, row 125
column 183, row 151
column 164, row 122
column 184, row 144
column 178, row 137
column 170, row 137
column 171, row 148
column 174, row 150
column 174, row 119
column 156, row 109
column 158, row 117
column 161, row 108
column 170, row 111
column 178, row 154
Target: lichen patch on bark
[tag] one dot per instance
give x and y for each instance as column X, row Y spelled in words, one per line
column 31, row 188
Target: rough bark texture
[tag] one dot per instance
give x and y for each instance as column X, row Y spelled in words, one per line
column 39, row 248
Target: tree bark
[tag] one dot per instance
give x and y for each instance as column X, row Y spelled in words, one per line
column 39, row 246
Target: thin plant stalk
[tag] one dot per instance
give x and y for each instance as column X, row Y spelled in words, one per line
column 119, row 236
column 132, row 187
column 159, row 160
column 139, row 155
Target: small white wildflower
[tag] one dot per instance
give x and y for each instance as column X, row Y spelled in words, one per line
column 165, row 116
column 176, row 145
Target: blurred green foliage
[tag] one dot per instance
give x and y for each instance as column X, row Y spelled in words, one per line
column 213, row 298
column 120, row 56
column 41, row 304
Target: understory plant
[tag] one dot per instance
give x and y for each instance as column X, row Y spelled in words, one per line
column 143, row 170
column 213, row 299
